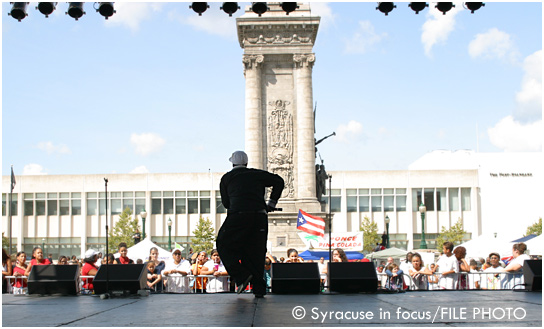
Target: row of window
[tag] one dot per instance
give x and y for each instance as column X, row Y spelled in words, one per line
column 199, row 202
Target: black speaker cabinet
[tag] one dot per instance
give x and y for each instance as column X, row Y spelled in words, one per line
column 532, row 274
column 352, row 277
column 295, row 278
column 54, row 279
column 122, row 278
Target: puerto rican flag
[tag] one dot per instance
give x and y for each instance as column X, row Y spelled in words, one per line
column 310, row 224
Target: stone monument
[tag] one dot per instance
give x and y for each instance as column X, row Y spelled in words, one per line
column 279, row 118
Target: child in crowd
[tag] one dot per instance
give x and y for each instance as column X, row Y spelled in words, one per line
column 19, row 285
column 154, row 279
column 37, row 259
column 395, row 281
column 293, row 257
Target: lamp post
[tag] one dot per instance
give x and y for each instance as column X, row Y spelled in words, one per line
column 43, row 245
column 143, row 214
column 387, row 220
column 423, row 210
column 169, row 234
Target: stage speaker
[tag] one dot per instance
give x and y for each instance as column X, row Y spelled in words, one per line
column 53, row 279
column 123, row 279
column 352, row 277
column 532, row 274
column 295, row 278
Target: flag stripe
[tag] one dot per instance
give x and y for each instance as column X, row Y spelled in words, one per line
column 302, row 228
column 311, row 224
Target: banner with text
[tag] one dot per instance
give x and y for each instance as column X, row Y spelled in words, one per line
column 348, row 241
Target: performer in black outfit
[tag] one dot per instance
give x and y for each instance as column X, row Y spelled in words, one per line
column 241, row 241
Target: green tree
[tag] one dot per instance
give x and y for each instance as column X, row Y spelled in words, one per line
column 5, row 242
column 370, row 234
column 204, row 236
column 454, row 234
column 536, row 228
column 123, row 230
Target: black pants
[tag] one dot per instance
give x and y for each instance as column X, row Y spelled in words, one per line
column 241, row 244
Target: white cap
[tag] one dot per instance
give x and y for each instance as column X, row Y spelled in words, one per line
column 176, row 249
column 90, row 253
column 238, row 158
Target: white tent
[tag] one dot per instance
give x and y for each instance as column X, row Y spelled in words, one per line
column 535, row 245
column 141, row 251
column 485, row 244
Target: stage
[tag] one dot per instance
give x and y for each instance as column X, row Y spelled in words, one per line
column 415, row 308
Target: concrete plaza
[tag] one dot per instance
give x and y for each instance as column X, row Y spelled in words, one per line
column 429, row 308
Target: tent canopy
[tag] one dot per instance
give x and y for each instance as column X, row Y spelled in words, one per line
column 386, row 253
column 535, row 245
column 485, row 244
column 525, row 238
column 317, row 254
column 141, row 251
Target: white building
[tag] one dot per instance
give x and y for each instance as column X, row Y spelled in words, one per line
column 490, row 193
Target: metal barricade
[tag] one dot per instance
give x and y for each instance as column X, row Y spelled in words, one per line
column 187, row 284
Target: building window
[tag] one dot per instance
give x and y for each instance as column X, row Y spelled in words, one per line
column 181, row 206
column 192, row 205
column 364, row 204
column 352, row 200
column 429, row 199
column 64, row 207
column 465, row 199
column 335, row 200
column 76, row 207
column 454, row 199
column 28, row 204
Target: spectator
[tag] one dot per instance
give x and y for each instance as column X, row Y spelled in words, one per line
column 492, row 277
column 268, row 271
column 433, row 278
column 89, row 268
column 515, row 265
column 448, row 266
column 7, row 270
column 339, row 256
column 321, row 265
column 20, row 285
column 390, row 261
column 139, row 261
column 109, row 258
column 176, row 272
column 293, row 257
column 154, row 257
column 154, row 278
column 474, row 276
column 462, row 280
column 197, row 269
column 219, row 283
column 123, row 259
column 74, row 258
column 37, row 259
column 419, row 273
column 99, row 260
column 282, row 259
column 136, row 236
column 407, row 263
column 50, row 258
column 395, row 280
column 63, row 260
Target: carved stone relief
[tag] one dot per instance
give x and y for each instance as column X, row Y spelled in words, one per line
column 280, row 145
column 302, row 60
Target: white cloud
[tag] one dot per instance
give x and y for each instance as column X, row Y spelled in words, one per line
column 140, row 170
column 323, row 10
column 363, row 39
column 50, row 148
column 493, row 44
column 213, row 21
column 513, row 136
column 132, row 14
column 33, row 169
column 529, row 98
column 345, row 133
column 438, row 26
column 147, row 143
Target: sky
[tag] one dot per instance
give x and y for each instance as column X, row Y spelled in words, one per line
column 158, row 89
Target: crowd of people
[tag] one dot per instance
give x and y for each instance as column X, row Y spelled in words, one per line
column 206, row 273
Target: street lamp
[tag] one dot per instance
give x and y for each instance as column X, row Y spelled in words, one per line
column 423, row 210
column 387, row 220
column 43, row 246
column 143, row 214
column 169, row 234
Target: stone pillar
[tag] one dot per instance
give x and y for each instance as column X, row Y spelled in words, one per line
column 305, row 127
column 254, row 116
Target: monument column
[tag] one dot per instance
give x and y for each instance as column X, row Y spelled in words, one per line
column 254, row 115
column 305, row 126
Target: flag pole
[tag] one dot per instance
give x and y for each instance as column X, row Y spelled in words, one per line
column 330, row 220
column 9, row 208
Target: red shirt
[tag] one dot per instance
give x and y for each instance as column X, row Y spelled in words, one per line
column 45, row 261
column 125, row 260
column 17, row 283
column 88, row 282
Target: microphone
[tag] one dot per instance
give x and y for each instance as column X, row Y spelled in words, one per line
column 105, row 180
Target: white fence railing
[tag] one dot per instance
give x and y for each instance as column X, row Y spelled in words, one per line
column 212, row 284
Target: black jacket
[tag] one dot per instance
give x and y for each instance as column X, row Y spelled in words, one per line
column 243, row 189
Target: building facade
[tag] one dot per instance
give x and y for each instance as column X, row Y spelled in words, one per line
column 67, row 213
